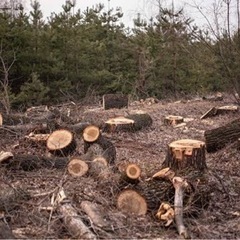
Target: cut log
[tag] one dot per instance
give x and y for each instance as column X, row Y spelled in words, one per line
column 172, row 120
column 34, row 162
column 96, row 213
column 5, row 156
column 131, row 202
column 99, row 168
column 165, row 213
column 61, row 142
column 107, row 149
column 131, row 173
column 74, row 223
column 1, row 120
column 217, row 138
column 77, row 167
column 115, row 101
column 165, row 173
column 219, row 110
column 38, row 138
column 130, row 123
column 186, row 153
column 91, row 133
column 179, row 185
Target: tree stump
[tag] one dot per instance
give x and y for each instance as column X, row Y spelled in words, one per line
column 131, row 202
column 61, row 142
column 115, row 101
column 130, row 123
column 77, row 167
column 186, row 153
column 172, row 120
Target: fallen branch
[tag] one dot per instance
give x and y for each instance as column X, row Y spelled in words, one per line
column 179, row 185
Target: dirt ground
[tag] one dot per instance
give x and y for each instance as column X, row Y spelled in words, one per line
column 31, row 218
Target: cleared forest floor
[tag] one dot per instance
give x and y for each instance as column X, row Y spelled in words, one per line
column 32, row 217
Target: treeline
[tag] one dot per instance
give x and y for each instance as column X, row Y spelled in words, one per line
column 74, row 55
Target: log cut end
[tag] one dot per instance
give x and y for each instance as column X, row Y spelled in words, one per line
column 118, row 124
column 131, row 202
column 77, row 167
column 186, row 153
column 91, row 133
column 61, row 142
column 133, row 171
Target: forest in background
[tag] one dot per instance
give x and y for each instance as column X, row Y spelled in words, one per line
column 71, row 56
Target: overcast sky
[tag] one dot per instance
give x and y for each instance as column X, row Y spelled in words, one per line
column 130, row 8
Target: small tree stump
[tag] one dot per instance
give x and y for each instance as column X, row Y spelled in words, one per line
column 131, row 202
column 61, row 142
column 186, row 153
column 172, row 120
column 115, row 101
column 77, row 167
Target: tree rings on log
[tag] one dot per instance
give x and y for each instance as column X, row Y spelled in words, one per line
column 131, row 202
column 130, row 123
column 132, row 173
column 61, row 142
column 77, row 167
column 91, row 133
column 173, row 120
column 186, row 153
column 115, row 101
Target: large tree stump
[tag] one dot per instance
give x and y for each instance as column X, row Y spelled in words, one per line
column 186, row 153
column 131, row 202
column 114, row 101
column 130, row 123
column 217, row 138
column 61, row 142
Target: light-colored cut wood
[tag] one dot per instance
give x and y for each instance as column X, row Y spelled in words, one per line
column 77, row 167
column 1, row 119
column 131, row 202
column 173, row 120
column 91, row 133
column 133, row 171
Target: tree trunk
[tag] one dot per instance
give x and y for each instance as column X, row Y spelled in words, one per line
column 186, row 153
column 115, row 101
column 217, row 138
column 61, row 142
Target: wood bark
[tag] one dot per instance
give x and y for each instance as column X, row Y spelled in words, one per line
column 131, row 202
column 217, row 138
column 129, row 123
column 172, row 120
column 34, row 162
column 107, row 149
column 61, row 142
column 114, row 101
column 185, row 154
column 179, row 185
column 5, row 231
column 74, row 223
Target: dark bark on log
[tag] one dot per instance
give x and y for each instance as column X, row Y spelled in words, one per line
column 78, row 128
column 34, row 162
column 10, row 197
column 141, row 120
column 185, row 154
column 218, row 138
column 108, row 149
column 5, row 231
column 114, row 101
